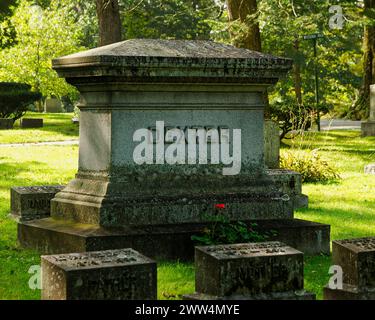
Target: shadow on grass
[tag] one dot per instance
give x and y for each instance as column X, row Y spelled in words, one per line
column 10, row 173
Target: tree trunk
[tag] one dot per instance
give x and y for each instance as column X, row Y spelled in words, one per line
column 362, row 105
column 240, row 10
column 109, row 21
column 297, row 75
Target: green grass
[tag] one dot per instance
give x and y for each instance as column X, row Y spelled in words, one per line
column 347, row 205
column 57, row 127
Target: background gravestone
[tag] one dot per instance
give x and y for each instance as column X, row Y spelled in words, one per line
column 31, row 123
column 368, row 127
column 103, row 275
column 156, row 209
column 53, row 105
column 271, row 144
column 6, row 124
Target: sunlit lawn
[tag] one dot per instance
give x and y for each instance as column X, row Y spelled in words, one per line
column 57, row 127
column 348, row 205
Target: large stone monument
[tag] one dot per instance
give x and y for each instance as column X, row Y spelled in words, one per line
column 249, row 271
column 368, row 127
column 161, row 95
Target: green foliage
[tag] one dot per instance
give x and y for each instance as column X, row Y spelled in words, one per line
column 283, row 25
column 168, row 19
column 14, row 99
column 223, row 231
column 42, row 34
column 309, row 164
column 290, row 115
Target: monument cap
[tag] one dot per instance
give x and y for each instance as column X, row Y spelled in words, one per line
column 174, row 60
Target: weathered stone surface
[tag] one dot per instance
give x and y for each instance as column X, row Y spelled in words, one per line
column 370, row 168
column 372, row 102
column 271, row 144
column 290, row 295
column 170, row 242
column 30, row 203
column 176, row 60
column 102, row 275
column 6, row 124
column 253, row 271
column 53, row 105
column 348, row 292
column 289, row 183
column 131, row 85
column 31, row 123
column 248, row 269
column 357, row 259
column 368, row 127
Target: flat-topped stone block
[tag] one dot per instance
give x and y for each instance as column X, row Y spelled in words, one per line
column 174, row 60
column 357, row 259
column 30, row 203
column 31, row 123
column 122, row 274
column 6, row 124
column 248, row 270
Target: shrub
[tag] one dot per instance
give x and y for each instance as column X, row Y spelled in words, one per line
column 14, row 99
column 223, row 231
column 309, row 164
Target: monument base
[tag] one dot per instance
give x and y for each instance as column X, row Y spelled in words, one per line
column 289, row 295
column 368, row 129
column 348, row 292
column 171, row 242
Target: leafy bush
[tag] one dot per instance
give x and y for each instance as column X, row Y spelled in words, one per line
column 14, row 99
column 309, row 164
column 223, row 231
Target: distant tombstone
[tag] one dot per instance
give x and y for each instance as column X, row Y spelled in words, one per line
column 53, row 105
column 6, row 124
column 356, row 257
column 254, row 271
column 31, row 123
column 75, row 120
column 368, row 127
column 370, row 168
column 31, row 203
column 271, row 144
column 122, row 274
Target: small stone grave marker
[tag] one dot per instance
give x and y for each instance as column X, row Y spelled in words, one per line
column 6, row 124
column 122, row 274
column 268, row 270
column 31, row 123
column 356, row 257
column 31, row 203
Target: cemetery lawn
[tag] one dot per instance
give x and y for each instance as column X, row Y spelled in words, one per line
column 347, row 205
column 57, row 127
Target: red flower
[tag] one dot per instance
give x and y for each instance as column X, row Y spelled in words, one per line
column 220, row 206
